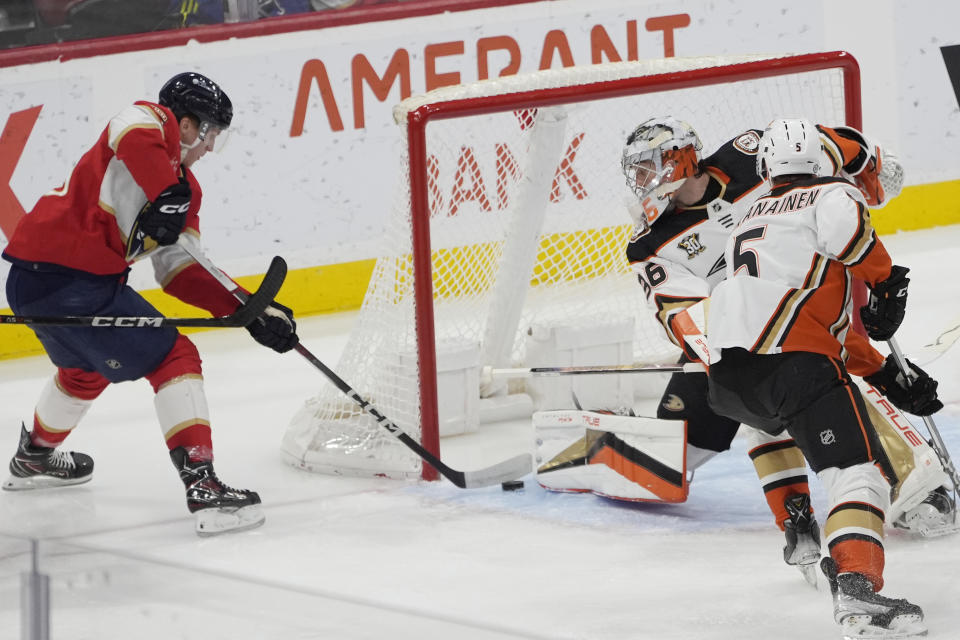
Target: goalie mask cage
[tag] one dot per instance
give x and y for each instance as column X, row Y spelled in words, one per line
column 510, row 215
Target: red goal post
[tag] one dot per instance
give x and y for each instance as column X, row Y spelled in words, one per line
column 443, row 188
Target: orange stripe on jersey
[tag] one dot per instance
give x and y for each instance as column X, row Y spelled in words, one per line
column 875, row 264
column 720, row 175
column 862, row 420
column 814, row 322
column 856, row 248
column 817, row 271
column 843, row 151
column 773, row 332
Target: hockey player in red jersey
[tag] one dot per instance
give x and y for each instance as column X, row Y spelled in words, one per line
column 776, row 331
column 131, row 196
column 684, row 211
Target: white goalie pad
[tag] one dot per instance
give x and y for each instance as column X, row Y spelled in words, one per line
column 916, row 464
column 620, row 457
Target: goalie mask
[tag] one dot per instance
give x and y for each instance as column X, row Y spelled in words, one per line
column 659, row 156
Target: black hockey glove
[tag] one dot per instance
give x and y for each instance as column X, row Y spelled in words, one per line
column 275, row 328
column 918, row 398
column 164, row 218
column 887, row 305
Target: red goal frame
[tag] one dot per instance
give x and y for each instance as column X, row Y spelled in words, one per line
column 419, row 118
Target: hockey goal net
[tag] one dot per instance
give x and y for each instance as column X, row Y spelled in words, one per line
column 509, row 234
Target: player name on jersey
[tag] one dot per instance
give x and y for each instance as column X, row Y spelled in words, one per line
column 789, row 203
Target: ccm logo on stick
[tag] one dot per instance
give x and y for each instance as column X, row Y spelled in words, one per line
column 99, row 321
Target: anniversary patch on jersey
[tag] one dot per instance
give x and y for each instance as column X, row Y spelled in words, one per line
column 692, row 245
column 748, row 143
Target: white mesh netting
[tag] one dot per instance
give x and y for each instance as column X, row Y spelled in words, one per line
column 527, row 227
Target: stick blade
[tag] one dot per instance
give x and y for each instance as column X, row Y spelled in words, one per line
column 512, row 469
column 263, row 296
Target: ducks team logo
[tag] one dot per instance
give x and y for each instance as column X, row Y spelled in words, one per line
column 748, row 143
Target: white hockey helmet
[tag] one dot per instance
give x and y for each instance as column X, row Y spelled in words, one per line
column 659, row 156
column 789, row 146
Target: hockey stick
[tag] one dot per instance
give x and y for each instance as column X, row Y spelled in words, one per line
column 488, row 373
column 247, row 313
column 930, row 352
column 511, row 469
column 936, row 441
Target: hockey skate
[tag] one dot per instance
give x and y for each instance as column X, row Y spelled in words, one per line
column 218, row 508
column 803, row 537
column 864, row 614
column 935, row 516
column 43, row 467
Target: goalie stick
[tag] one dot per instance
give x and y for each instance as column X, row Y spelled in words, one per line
column 511, row 469
column 488, row 373
column 928, row 353
column 936, row 441
column 249, row 311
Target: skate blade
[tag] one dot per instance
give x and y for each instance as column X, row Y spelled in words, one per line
column 858, row 627
column 809, row 573
column 14, row 483
column 214, row 522
column 938, row 530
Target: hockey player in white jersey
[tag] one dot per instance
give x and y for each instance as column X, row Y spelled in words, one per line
column 776, row 333
column 684, row 210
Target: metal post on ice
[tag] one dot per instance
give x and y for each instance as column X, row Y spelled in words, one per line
column 34, row 599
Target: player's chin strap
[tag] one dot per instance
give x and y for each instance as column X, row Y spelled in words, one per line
column 936, row 441
column 511, row 469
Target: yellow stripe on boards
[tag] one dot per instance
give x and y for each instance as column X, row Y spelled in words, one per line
column 340, row 287
column 920, row 207
column 307, row 291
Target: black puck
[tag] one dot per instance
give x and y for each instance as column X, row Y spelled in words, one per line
column 512, row 485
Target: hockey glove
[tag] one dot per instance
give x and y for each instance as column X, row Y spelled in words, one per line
column 887, row 305
column 919, row 397
column 164, row 218
column 275, row 328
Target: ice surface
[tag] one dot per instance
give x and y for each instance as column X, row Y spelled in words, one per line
column 345, row 558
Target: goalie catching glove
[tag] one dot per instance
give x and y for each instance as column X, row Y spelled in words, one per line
column 917, row 396
column 275, row 328
column 886, row 305
column 164, row 218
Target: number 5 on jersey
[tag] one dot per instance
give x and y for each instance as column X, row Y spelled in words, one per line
column 747, row 258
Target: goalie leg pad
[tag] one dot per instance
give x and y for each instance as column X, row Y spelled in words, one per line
column 916, row 465
column 620, row 457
